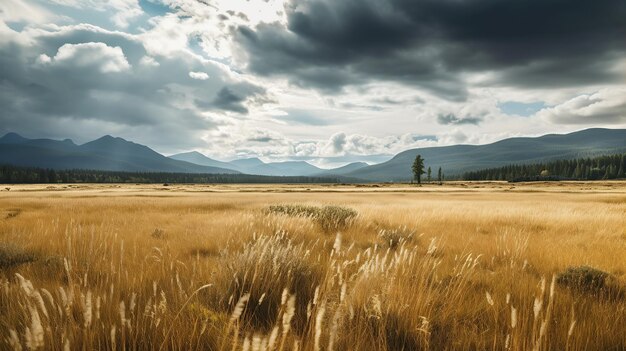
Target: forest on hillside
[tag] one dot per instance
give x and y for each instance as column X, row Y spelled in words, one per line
column 30, row 175
column 596, row 168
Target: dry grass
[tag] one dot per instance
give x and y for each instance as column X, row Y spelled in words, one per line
column 472, row 266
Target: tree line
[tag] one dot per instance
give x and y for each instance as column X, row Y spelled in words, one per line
column 596, row 168
column 31, row 175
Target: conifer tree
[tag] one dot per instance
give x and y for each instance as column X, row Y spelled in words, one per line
column 439, row 176
column 418, row 168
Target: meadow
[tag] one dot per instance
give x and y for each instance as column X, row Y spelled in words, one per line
column 463, row 266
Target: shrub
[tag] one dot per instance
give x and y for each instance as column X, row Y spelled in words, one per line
column 12, row 213
column 332, row 218
column 588, row 279
column 158, row 233
column 396, row 237
column 12, row 255
column 329, row 218
column 294, row 210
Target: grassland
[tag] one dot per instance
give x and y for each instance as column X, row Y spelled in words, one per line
column 465, row 266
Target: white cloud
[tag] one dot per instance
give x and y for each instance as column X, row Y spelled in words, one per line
column 149, row 61
column 23, row 11
column 43, row 59
column 199, row 75
column 606, row 106
column 123, row 11
column 106, row 58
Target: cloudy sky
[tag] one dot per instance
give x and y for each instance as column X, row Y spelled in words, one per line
column 322, row 80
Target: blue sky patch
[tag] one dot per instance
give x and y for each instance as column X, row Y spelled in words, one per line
column 521, row 108
column 154, row 8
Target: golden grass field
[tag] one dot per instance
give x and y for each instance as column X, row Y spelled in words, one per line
column 464, row 266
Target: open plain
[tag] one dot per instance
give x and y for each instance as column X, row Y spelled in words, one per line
column 461, row 266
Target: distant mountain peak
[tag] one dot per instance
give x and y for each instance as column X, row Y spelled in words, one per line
column 12, row 137
column 111, row 140
column 109, row 137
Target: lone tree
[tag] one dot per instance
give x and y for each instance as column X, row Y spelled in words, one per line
column 418, row 168
column 439, row 176
column 429, row 174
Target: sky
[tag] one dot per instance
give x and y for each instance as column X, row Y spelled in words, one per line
column 325, row 81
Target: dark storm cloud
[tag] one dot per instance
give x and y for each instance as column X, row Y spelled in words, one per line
column 329, row 44
column 227, row 100
column 451, row 119
column 235, row 98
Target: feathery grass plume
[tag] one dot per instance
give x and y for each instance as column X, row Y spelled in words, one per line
column 256, row 342
column 133, row 302
column 87, row 309
column 334, row 329
column 489, row 298
column 34, row 334
column 25, row 284
column 98, row 303
column 271, row 341
column 39, row 300
column 122, row 309
column 48, row 296
column 537, row 307
column 432, row 247
column 288, row 315
column 570, row 330
column 319, row 320
column 246, row 344
column 513, row 317
column 113, row 338
column 14, row 341
column 238, row 310
column 337, row 244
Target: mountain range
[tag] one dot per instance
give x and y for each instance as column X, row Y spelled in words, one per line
column 117, row 154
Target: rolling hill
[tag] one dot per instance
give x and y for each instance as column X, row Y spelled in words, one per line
column 351, row 167
column 200, row 159
column 457, row 159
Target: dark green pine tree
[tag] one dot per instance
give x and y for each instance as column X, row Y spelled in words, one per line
column 621, row 173
column 418, row 169
column 439, row 176
column 429, row 174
